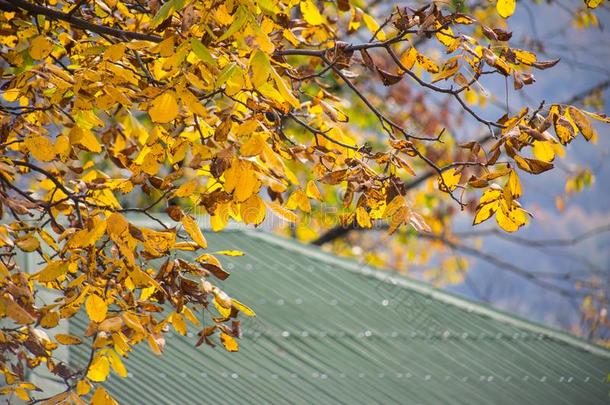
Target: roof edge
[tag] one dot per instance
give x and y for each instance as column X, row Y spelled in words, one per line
column 444, row 296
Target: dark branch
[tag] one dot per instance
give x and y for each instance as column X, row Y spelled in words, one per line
column 34, row 9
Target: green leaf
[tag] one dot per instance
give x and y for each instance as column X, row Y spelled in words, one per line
column 202, row 52
column 166, row 10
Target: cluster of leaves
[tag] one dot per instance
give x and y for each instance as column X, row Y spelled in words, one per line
column 120, row 107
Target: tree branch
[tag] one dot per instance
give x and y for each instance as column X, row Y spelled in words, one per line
column 34, row 9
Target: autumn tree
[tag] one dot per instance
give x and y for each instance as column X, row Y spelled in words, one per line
column 236, row 110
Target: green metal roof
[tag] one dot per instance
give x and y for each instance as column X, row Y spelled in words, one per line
column 332, row 331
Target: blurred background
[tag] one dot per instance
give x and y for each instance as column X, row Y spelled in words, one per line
column 556, row 270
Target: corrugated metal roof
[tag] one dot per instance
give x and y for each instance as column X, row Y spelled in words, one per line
column 331, row 331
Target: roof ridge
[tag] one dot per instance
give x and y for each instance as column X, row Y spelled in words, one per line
column 430, row 291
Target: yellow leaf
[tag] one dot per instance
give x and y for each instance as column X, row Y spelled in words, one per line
column 311, row 14
column 220, row 219
column 253, row 210
column 229, row 342
column 52, row 271
column 187, row 188
column 408, row 58
column 543, row 151
column 312, row 191
column 532, row 165
column 593, row 3
column 223, row 305
column 164, row 108
column 298, row 199
column 115, row 52
column 83, row 387
column 241, row 180
column 96, row 308
column 40, row 147
column 254, row 146
column 229, row 252
column 190, row 315
column 449, row 180
column 514, row 184
column 178, row 321
column 41, row 47
column 65, row 339
column 284, row 90
column 427, row 63
column 101, row 397
column 99, row 369
column 133, row 322
column 116, row 363
column 11, row 95
column 28, row 243
column 598, row 117
column 242, row 308
column 49, row 320
column 505, row 222
column 445, row 35
column 372, row 26
column 85, row 138
column 363, row 218
column 506, row 8
column 192, row 228
column 282, row 212
column 22, row 394
column 564, row 130
column 525, row 57
column 583, row 124
column 484, row 213
column 261, row 68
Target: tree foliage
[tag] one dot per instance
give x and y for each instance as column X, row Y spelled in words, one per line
column 118, row 109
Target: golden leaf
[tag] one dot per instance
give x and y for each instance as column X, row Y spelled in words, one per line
column 192, row 228
column 282, row 212
column 373, row 27
column 363, row 218
column 229, row 252
column 593, row 3
column 28, row 243
column 312, row 191
column 310, row 11
column 116, row 363
column 506, row 8
column 40, row 147
column 583, row 124
column 178, row 321
column 164, row 108
column 229, row 342
column 427, row 63
column 449, row 180
column 543, row 151
column 242, row 308
column 253, row 210
column 99, row 368
column 96, row 308
column 261, row 68
column 40, row 48
column 101, row 397
column 52, row 271
column 298, row 199
column 83, row 387
column 65, row 339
